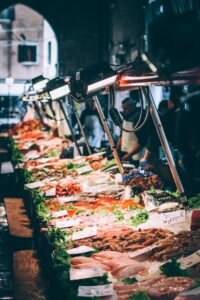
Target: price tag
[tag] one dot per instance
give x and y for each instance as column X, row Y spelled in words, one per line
column 106, row 188
column 51, row 192
column 66, row 224
column 95, row 291
column 189, row 261
column 34, row 185
column 60, row 213
column 173, row 217
column 194, row 292
column 80, row 250
column 141, row 251
column 44, row 160
column 68, row 199
column 84, row 169
column 76, row 274
column 7, row 167
column 92, row 231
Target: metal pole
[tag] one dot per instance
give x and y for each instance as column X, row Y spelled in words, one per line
column 164, row 143
column 69, row 125
column 109, row 135
column 81, row 127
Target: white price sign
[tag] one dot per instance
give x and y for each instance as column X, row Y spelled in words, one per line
column 68, row 199
column 173, row 217
column 84, row 169
column 60, row 213
column 34, row 185
column 66, row 224
column 190, row 260
column 77, row 274
column 141, row 251
column 80, row 250
column 95, row 291
column 51, row 192
column 92, row 231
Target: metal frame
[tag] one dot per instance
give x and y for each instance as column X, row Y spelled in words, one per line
column 109, row 135
column 164, row 142
column 69, row 125
column 80, row 127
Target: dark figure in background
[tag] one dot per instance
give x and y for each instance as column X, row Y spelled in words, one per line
column 163, row 107
column 130, row 144
column 92, row 126
column 194, row 110
column 178, row 130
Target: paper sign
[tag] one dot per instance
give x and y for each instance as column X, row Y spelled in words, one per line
column 34, row 185
column 141, row 251
column 173, row 217
column 84, row 233
column 84, row 169
column 66, row 224
column 95, row 291
column 190, row 260
column 51, row 192
column 68, row 199
column 80, row 250
column 7, row 167
column 60, row 213
column 37, row 184
column 194, row 292
column 76, row 274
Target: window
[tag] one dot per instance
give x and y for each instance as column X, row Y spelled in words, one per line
column 49, row 53
column 28, row 54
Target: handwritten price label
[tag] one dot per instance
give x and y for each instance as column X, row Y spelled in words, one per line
column 80, row 250
column 190, row 260
column 84, row 169
column 66, row 224
column 173, row 217
column 68, row 199
column 95, row 291
column 60, row 213
column 84, row 233
column 77, row 274
column 34, row 185
column 51, row 192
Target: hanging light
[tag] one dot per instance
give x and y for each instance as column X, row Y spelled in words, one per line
column 91, row 80
column 58, row 88
column 39, row 83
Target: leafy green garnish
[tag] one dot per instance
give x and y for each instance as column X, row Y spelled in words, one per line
column 109, row 164
column 43, row 212
column 58, row 238
column 129, row 280
column 141, row 217
column 52, row 153
column 119, row 216
column 28, row 176
column 141, row 295
column 71, row 166
column 172, row 269
column 16, row 155
column 194, row 201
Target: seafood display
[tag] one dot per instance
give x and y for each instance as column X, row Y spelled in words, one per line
column 107, row 232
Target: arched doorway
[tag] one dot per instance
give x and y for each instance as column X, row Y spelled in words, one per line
column 28, row 48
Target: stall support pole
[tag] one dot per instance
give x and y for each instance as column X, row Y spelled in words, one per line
column 69, row 125
column 38, row 111
column 164, row 143
column 81, row 127
column 109, row 135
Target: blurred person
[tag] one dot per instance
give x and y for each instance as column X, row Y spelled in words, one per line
column 130, row 144
column 194, row 109
column 163, row 107
column 92, row 126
